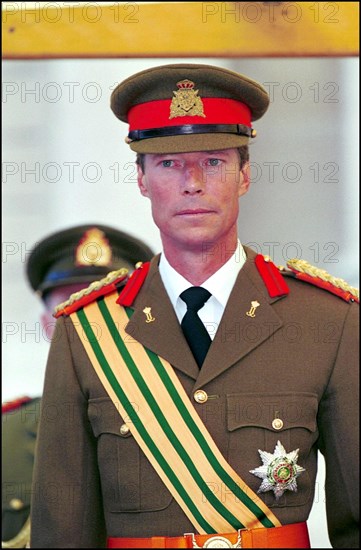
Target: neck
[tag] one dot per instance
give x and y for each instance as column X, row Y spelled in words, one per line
column 199, row 263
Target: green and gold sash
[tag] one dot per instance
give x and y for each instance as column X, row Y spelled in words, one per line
column 151, row 400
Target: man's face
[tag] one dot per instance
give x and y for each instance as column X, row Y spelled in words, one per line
column 194, row 196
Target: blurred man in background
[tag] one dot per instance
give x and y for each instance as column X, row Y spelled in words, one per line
column 59, row 265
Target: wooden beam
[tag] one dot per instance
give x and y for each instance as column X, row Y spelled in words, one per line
column 180, row 29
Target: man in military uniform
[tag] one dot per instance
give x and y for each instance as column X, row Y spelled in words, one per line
column 193, row 396
column 61, row 264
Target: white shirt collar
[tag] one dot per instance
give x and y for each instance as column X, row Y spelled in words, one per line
column 220, row 284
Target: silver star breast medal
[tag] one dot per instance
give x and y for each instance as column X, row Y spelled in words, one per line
column 279, row 471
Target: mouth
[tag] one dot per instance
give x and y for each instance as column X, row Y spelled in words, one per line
column 194, row 212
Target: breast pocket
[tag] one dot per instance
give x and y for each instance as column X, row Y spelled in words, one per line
column 129, row 481
column 256, row 422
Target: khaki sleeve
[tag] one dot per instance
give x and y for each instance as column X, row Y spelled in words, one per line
column 339, row 438
column 66, row 504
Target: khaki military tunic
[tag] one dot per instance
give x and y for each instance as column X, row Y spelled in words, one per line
column 19, row 430
column 289, row 374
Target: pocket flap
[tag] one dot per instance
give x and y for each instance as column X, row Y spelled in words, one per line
column 105, row 418
column 275, row 412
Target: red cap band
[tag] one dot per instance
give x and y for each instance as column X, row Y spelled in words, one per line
column 155, row 114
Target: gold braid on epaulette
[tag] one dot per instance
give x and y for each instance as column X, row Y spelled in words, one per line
column 95, row 285
column 305, row 267
column 21, row 540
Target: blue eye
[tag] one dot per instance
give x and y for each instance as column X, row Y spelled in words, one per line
column 213, row 162
column 167, row 163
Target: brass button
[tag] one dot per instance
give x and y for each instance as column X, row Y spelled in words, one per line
column 124, row 430
column 277, row 424
column 200, row 396
column 16, row 503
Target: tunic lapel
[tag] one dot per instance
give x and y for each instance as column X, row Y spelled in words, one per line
column 237, row 335
column 164, row 335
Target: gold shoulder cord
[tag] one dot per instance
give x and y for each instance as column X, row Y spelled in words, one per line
column 309, row 269
column 96, row 285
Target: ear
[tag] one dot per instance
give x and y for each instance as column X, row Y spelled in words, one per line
column 142, row 180
column 48, row 324
column 44, row 318
column 245, row 179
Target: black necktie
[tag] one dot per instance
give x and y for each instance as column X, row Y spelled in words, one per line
column 194, row 330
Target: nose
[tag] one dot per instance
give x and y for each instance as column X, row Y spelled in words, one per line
column 193, row 180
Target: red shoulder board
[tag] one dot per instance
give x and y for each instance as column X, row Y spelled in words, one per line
column 15, row 404
column 91, row 293
column 304, row 271
column 133, row 286
column 271, row 276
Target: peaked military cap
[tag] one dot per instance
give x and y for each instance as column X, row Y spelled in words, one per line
column 188, row 107
column 82, row 254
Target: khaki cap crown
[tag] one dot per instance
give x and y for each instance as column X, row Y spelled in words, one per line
column 154, row 89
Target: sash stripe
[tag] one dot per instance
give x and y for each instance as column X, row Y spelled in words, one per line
column 227, row 479
column 235, row 523
column 131, row 413
column 192, row 425
column 167, row 428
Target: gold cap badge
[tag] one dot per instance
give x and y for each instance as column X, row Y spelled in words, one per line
column 93, row 249
column 186, row 101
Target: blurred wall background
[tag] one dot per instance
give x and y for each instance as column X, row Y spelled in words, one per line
column 65, row 163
